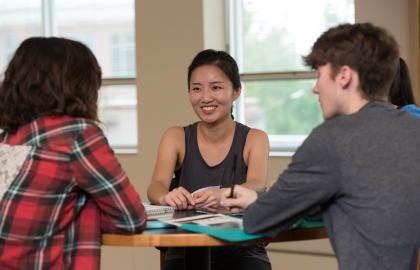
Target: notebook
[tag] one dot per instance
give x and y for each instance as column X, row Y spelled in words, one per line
column 156, row 211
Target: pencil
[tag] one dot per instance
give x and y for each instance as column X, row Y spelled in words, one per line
column 232, row 175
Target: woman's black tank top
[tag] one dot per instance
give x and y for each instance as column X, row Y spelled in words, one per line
column 195, row 173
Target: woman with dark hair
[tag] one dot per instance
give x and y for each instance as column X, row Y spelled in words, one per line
column 204, row 154
column 401, row 93
column 60, row 183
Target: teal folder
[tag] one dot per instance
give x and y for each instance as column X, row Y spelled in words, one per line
column 237, row 234
column 225, row 233
column 156, row 224
column 307, row 224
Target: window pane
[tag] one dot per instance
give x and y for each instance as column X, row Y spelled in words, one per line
column 107, row 27
column 276, row 33
column 286, row 107
column 118, row 113
column 19, row 20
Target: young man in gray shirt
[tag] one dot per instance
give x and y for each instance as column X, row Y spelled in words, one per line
column 362, row 165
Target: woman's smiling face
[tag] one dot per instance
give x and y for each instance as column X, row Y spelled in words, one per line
column 211, row 93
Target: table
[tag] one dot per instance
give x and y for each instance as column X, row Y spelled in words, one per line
column 197, row 255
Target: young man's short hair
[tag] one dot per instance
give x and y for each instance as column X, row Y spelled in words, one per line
column 368, row 49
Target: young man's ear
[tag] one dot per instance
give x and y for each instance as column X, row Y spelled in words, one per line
column 344, row 76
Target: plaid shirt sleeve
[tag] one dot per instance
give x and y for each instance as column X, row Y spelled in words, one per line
column 98, row 173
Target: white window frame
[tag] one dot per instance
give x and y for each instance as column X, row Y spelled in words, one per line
column 49, row 29
column 280, row 145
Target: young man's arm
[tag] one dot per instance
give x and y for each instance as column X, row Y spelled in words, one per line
column 312, row 179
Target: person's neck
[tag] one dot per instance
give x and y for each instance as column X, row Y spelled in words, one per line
column 216, row 132
column 356, row 105
column 354, row 101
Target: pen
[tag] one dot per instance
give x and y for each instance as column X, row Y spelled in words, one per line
column 232, row 180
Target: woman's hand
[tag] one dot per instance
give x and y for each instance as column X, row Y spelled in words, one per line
column 209, row 198
column 179, row 198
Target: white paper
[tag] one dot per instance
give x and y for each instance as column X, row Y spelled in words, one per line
column 206, row 219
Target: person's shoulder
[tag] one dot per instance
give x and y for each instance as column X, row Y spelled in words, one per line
column 174, row 134
column 254, row 131
column 86, row 126
column 173, row 139
column 324, row 133
column 63, row 125
column 256, row 137
column 61, row 131
column 174, row 131
column 257, row 133
column 411, row 108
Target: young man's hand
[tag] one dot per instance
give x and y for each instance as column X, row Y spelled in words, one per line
column 242, row 198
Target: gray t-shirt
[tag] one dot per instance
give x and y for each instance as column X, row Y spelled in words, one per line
column 363, row 169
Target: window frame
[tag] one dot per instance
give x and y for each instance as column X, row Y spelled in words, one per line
column 280, row 145
column 48, row 25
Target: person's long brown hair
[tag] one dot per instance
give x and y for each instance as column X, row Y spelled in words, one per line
column 49, row 76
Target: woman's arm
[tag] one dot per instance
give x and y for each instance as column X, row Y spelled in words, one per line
column 170, row 154
column 256, row 156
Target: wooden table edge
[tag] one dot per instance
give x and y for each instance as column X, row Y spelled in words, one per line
column 195, row 239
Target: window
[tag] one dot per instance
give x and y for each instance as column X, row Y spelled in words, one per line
column 18, row 20
column 122, row 51
column 268, row 39
column 107, row 27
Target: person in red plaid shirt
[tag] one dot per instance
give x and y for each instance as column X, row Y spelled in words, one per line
column 60, row 184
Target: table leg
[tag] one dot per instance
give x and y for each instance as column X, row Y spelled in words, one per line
column 162, row 257
column 197, row 258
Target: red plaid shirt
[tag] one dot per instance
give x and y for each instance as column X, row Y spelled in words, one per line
column 69, row 189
